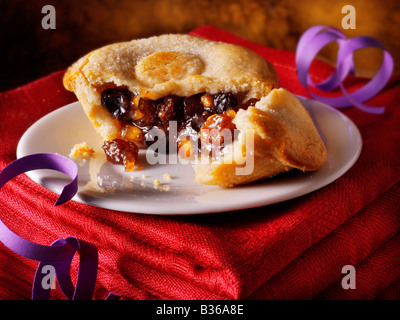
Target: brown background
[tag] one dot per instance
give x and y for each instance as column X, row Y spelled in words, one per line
column 29, row 52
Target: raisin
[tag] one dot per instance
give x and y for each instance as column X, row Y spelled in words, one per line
column 145, row 114
column 154, row 134
column 196, row 122
column 117, row 102
column 208, row 102
column 167, row 109
column 214, row 131
column 224, row 102
column 122, row 152
column 192, row 106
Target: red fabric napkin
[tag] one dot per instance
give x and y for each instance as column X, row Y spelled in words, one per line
column 291, row 250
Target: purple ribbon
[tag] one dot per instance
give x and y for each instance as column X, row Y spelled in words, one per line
column 60, row 253
column 316, row 38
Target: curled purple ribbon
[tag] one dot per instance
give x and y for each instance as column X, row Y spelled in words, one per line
column 316, row 38
column 60, row 253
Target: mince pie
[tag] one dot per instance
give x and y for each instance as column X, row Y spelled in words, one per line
column 207, row 89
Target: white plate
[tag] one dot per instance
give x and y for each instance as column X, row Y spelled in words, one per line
column 60, row 130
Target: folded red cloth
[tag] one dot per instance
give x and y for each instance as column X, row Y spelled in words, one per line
column 291, row 250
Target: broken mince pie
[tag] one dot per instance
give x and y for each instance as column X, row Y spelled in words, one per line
column 127, row 89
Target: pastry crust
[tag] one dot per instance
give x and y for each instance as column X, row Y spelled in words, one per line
column 175, row 64
column 285, row 138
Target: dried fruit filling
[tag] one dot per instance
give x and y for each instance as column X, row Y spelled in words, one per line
column 190, row 113
column 122, row 152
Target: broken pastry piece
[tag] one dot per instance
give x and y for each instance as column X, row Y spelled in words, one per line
column 283, row 137
column 81, row 151
column 128, row 89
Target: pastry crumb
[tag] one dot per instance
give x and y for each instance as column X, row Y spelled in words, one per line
column 167, row 176
column 156, row 183
column 144, row 176
column 81, row 151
